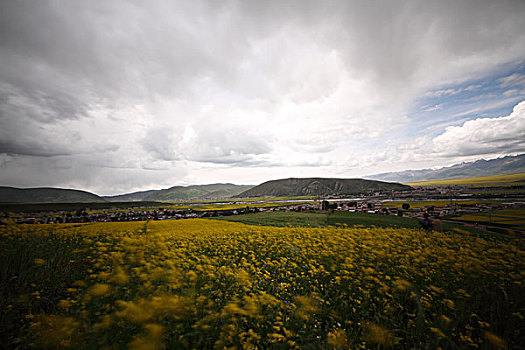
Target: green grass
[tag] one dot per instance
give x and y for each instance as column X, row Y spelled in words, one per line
column 319, row 219
column 315, row 219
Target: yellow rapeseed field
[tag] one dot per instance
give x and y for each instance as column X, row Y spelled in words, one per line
column 215, row 284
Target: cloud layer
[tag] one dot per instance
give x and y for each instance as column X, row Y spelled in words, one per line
column 124, row 95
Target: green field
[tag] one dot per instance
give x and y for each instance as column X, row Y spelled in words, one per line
column 314, row 219
column 483, row 181
column 341, row 218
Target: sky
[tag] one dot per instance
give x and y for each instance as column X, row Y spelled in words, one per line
column 120, row 96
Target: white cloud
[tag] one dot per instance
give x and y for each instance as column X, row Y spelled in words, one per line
column 432, row 108
column 515, row 79
column 472, row 140
column 484, row 136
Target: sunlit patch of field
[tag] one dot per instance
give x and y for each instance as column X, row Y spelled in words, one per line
column 440, row 203
column 482, row 181
column 215, row 284
column 515, row 217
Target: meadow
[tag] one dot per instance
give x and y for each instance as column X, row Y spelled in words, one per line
column 317, row 219
column 202, row 284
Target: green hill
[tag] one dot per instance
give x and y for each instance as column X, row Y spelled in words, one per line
column 45, row 195
column 198, row 192
column 131, row 197
column 320, row 186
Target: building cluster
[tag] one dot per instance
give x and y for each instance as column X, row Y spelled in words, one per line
column 443, row 208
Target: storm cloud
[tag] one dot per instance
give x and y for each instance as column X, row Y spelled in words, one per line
column 126, row 95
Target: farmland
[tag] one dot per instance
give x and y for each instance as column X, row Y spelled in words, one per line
column 511, row 217
column 201, row 283
column 482, row 181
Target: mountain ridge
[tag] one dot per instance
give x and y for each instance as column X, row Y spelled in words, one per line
column 480, row 167
column 320, row 186
column 209, row 191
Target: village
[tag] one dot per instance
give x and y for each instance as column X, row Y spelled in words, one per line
column 437, row 208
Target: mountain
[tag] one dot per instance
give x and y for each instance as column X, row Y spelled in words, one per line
column 45, row 195
column 482, row 167
column 198, row 192
column 130, row 197
column 320, row 186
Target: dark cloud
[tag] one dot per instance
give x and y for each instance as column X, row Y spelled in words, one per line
column 233, row 83
column 31, row 149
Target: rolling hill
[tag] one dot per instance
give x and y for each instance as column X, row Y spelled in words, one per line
column 482, row 167
column 45, row 195
column 320, row 186
column 198, row 192
column 131, row 197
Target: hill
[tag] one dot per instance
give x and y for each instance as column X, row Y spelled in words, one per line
column 198, row 192
column 45, row 195
column 131, row 197
column 482, row 167
column 320, row 186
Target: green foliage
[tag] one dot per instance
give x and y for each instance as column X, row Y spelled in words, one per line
column 198, row 191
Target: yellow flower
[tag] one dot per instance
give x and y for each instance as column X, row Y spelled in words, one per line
column 151, row 340
column 276, row 338
column 449, row 303
column 401, row 285
column 438, row 332
column 337, row 338
column 306, row 306
column 496, row 341
column 55, row 331
column 99, row 289
column 376, row 334
column 79, row 283
column 120, row 277
column 39, row 261
column 446, row 319
column 64, row 304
